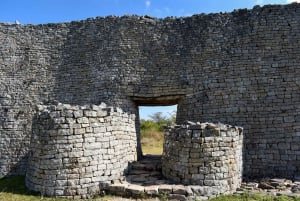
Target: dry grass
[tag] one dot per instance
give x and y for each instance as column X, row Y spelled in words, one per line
column 152, row 142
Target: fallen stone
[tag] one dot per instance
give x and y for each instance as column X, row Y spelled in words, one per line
column 118, row 189
column 295, row 189
column 296, row 183
column 189, row 191
column 282, row 188
column 176, row 197
column 197, row 190
column 288, row 183
column 135, row 190
column 277, row 182
column 265, row 185
column 179, row 189
column 199, row 198
column 151, row 190
column 165, row 189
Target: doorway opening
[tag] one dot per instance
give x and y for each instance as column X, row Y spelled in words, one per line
column 152, row 121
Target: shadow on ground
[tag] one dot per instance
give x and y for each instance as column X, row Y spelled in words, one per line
column 16, row 185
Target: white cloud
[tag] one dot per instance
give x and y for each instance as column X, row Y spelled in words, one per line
column 187, row 14
column 167, row 10
column 148, row 3
column 259, row 2
column 291, row 1
column 164, row 12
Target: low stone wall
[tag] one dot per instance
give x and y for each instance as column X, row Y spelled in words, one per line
column 77, row 149
column 207, row 155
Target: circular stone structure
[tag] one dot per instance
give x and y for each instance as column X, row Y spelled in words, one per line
column 77, row 150
column 208, row 155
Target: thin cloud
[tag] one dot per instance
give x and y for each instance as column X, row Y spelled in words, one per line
column 148, row 4
column 259, row 2
column 292, row 1
column 167, row 10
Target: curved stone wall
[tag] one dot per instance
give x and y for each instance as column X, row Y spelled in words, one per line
column 77, row 149
column 206, row 154
column 239, row 68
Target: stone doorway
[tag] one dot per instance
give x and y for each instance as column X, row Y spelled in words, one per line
column 152, row 120
column 161, row 101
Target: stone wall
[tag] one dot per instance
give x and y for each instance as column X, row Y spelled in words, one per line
column 77, row 149
column 206, row 154
column 239, row 68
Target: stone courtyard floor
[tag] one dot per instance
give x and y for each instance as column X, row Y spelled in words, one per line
column 145, row 180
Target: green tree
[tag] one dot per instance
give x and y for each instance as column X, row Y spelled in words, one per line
column 158, row 121
column 158, row 117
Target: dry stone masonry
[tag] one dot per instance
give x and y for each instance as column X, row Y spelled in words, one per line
column 239, row 68
column 77, row 149
column 208, row 155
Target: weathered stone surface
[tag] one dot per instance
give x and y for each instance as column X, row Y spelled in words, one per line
column 240, row 68
column 165, row 189
column 178, row 197
column 151, row 190
column 118, row 189
column 78, row 162
column 265, row 185
column 219, row 171
column 179, row 189
column 135, row 190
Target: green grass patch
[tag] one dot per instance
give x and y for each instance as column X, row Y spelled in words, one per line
column 14, row 189
column 253, row 197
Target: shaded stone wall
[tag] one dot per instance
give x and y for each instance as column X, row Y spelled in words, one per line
column 238, row 68
column 77, row 150
column 206, row 154
column 29, row 56
column 250, row 77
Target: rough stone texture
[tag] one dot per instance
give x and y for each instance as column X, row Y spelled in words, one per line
column 74, row 149
column 207, row 155
column 239, row 68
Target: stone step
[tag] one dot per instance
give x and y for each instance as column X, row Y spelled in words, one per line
column 144, row 172
column 147, row 164
column 173, row 192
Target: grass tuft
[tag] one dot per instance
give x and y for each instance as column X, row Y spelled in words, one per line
column 253, row 197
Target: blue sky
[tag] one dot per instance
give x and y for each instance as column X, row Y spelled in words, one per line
column 52, row 11
column 45, row 11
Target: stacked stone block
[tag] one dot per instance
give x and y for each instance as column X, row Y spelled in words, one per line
column 77, row 150
column 239, row 68
column 204, row 154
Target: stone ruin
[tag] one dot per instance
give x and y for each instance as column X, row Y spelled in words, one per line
column 75, row 150
column 205, row 155
column 70, row 92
